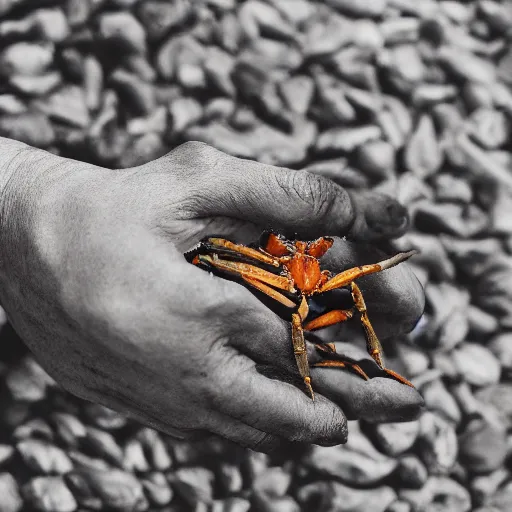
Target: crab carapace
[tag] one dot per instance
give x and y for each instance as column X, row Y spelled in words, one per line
column 289, row 273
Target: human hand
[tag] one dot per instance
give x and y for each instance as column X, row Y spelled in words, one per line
column 93, row 278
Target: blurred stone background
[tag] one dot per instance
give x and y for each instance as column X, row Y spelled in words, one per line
column 409, row 97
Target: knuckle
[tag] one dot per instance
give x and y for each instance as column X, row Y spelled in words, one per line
column 196, row 152
column 318, row 194
column 194, row 159
column 192, row 146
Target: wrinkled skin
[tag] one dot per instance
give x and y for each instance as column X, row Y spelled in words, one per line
column 93, row 278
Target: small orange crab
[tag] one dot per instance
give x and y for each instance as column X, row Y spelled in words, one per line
column 289, row 272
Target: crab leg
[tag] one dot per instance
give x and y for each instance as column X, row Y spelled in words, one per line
column 347, row 276
column 342, row 364
column 299, row 345
column 248, row 271
column 335, row 316
column 372, row 342
column 331, row 318
column 274, row 294
column 245, row 251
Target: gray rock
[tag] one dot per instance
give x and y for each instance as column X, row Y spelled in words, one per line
column 444, row 494
column 49, row 494
column 10, row 104
column 396, row 438
column 477, row 364
column 93, row 82
column 437, row 444
column 143, row 149
column 77, row 12
column 6, row 452
column 266, row 503
column 155, row 449
column 439, row 399
column 482, row 446
column 399, row 506
column 137, row 95
column 451, row 188
column 50, row 23
column 483, row 324
column 11, row 500
column 345, row 140
column 124, row 27
column 364, row 8
column 82, row 461
column 412, row 472
column 184, row 112
column 25, row 58
column 376, row 159
column 104, row 417
column 484, row 487
column 68, row 428
column 159, row 17
column 230, row 478
column 490, row 128
column 104, row 445
column 502, row 500
column 352, row 467
column 33, row 128
column 36, row 427
column 331, row 496
column 27, row 381
column 134, row 459
column 157, row 489
column 466, row 65
column 193, row 484
column 272, row 482
column 263, row 143
column 43, row 457
column 218, row 66
column 297, row 93
column 66, row 105
column 116, row 489
column 231, row 505
column 450, row 218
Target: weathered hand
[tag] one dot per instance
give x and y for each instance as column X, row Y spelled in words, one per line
column 93, row 278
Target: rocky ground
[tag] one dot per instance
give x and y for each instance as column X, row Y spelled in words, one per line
column 409, row 97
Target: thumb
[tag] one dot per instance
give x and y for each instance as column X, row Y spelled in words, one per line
column 294, row 202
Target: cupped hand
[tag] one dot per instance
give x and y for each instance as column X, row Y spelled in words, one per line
column 93, row 278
